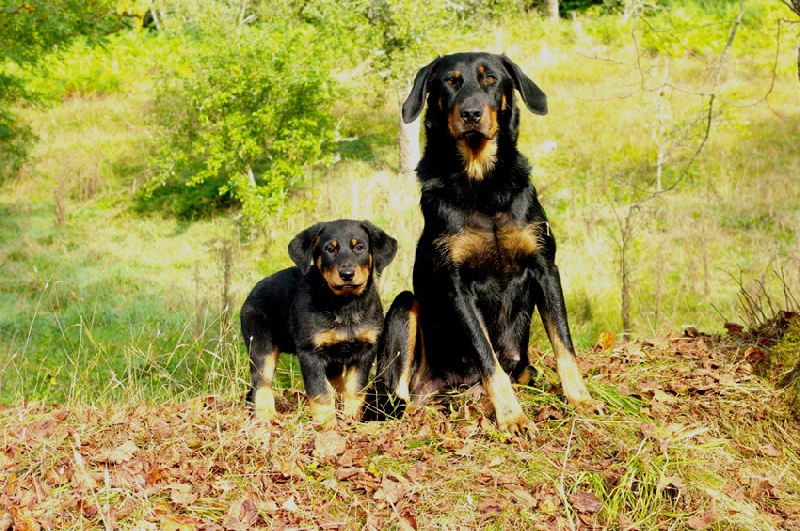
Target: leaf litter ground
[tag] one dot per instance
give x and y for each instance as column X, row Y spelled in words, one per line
column 691, row 439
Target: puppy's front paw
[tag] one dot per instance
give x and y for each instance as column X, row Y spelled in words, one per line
column 324, row 414
column 264, row 403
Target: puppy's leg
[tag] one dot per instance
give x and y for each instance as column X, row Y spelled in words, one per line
column 263, row 361
column 321, row 394
column 396, row 358
column 352, row 387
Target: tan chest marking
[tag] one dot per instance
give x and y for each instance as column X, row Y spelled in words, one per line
column 333, row 336
column 486, row 241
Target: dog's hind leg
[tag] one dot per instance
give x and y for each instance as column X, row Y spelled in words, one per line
column 396, row 359
column 263, row 361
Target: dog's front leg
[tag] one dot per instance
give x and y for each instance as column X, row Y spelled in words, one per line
column 352, row 385
column 554, row 318
column 495, row 380
column 319, row 391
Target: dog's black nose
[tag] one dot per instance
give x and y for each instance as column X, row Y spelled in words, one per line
column 347, row 274
column 471, row 114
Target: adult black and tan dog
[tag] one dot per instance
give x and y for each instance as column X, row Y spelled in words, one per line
column 326, row 309
column 485, row 258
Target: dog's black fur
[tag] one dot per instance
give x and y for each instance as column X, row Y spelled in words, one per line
column 486, row 256
column 326, row 310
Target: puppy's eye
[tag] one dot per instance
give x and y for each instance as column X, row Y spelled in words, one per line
column 330, row 249
column 450, row 81
column 359, row 248
column 489, row 80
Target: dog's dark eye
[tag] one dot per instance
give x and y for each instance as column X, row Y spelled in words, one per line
column 360, row 247
column 450, row 81
column 489, row 80
column 330, row 249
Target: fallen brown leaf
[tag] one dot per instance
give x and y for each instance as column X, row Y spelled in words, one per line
column 179, row 523
column 329, row 444
column 585, row 502
column 700, row 521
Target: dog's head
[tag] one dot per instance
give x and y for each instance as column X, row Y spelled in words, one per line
column 345, row 252
column 472, row 96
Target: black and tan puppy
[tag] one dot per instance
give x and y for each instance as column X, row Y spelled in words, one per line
column 486, row 256
column 326, row 310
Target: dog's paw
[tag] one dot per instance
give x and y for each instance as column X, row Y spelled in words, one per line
column 329, row 423
column 518, row 424
column 265, row 414
column 324, row 416
column 589, row 406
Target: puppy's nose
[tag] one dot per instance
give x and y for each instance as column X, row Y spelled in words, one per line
column 471, row 114
column 347, row 274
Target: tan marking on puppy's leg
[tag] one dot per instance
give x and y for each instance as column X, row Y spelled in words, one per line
column 323, row 411
column 352, row 393
column 264, row 399
column 323, row 407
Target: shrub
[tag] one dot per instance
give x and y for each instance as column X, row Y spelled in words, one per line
column 247, row 116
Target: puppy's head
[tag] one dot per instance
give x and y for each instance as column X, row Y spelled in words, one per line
column 344, row 252
column 471, row 95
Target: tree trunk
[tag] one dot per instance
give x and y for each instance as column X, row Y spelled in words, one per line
column 552, row 9
column 625, row 306
column 154, row 14
column 409, row 146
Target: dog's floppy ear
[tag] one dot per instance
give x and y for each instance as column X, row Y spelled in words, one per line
column 416, row 100
column 301, row 248
column 534, row 98
column 382, row 246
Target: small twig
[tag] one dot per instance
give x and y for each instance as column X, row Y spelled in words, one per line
column 561, row 492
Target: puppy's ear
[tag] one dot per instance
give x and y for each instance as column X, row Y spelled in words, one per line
column 416, row 100
column 532, row 95
column 301, row 248
column 382, row 246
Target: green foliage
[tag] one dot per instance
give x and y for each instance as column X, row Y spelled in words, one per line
column 28, row 31
column 15, row 140
column 248, row 117
column 83, row 69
